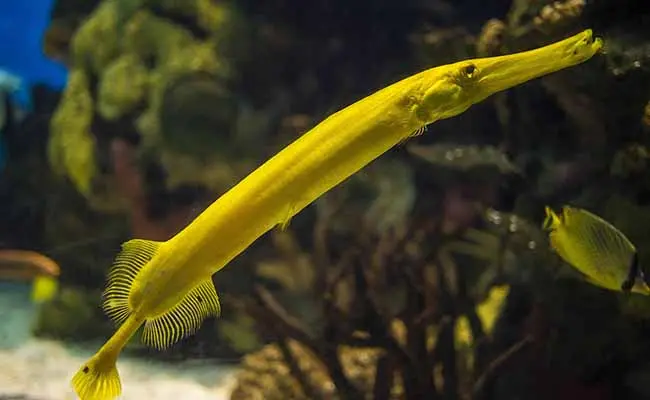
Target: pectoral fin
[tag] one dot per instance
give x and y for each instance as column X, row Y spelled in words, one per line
column 183, row 319
column 135, row 254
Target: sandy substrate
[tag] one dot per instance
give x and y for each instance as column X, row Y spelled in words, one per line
column 42, row 369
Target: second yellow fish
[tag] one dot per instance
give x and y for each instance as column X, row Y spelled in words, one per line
column 596, row 248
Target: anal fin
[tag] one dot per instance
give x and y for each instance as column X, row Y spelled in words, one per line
column 184, row 318
column 135, row 254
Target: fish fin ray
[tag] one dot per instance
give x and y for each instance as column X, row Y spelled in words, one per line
column 135, row 254
column 184, row 318
column 420, row 131
column 417, row 132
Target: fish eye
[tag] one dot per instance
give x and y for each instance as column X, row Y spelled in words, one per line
column 469, row 70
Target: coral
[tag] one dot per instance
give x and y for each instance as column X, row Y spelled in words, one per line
column 99, row 27
column 122, row 87
column 177, row 54
column 71, row 148
column 265, row 374
column 161, row 77
column 216, row 175
column 559, row 12
column 154, row 38
column 216, row 19
column 490, row 38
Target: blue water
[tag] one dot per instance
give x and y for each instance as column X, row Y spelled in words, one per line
column 17, row 313
column 22, row 27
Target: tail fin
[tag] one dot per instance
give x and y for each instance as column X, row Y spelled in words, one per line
column 97, row 380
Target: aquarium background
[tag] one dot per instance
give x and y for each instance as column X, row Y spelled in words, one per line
column 424, row 276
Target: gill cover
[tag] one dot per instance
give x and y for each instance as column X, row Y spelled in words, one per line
column 438, row 100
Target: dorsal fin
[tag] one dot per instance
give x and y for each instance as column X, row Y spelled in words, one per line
column 184, row 318
column 134, row 255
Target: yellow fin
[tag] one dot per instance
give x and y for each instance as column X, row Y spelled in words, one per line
column 416, row 133
column 97, row 381
column 602, row 285
column 134, row 255
column 419, row 132
column 284, row 224
column 44, row 288
column 184, row 318
column 551, row 220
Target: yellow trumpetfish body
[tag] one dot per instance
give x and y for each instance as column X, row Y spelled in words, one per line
column 167, row 285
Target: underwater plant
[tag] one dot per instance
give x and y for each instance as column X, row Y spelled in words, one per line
column 373, row 314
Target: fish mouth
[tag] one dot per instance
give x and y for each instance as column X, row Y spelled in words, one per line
column 503, row 72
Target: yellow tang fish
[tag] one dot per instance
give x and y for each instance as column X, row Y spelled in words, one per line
column 167, row 286
column 596, row 248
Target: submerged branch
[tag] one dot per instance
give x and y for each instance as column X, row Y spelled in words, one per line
column 384, row 375
column 497, row 365
column 288, row 326
column 297, row 372
column 280, row 320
